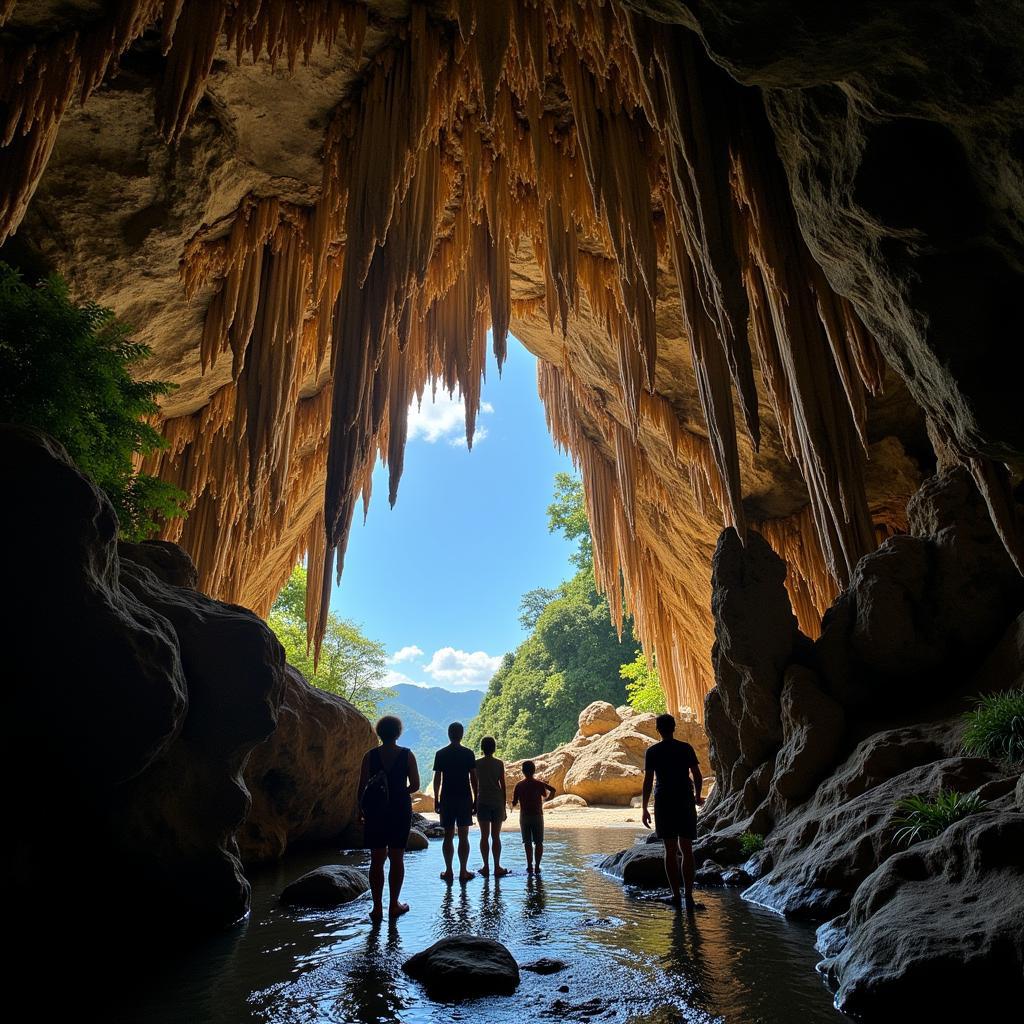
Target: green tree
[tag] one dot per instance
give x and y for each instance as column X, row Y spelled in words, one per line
column 351, row 665
column 532, row 603
column 568, row 513
column 643, row 687
column 64, row 368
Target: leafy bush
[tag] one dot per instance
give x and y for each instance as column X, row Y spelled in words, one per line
column 643, row 685
column 995, row 728
column 925, row 819
column 751, row 843
column 64, row 370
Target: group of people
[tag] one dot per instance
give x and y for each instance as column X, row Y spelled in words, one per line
column 466, row 786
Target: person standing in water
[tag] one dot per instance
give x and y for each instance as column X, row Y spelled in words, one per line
column 530, row 795
column 671, row 763
column 387, row 778
column 455, row 795
column 490, row 805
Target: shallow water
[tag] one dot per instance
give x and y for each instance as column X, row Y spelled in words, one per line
column 631, row 959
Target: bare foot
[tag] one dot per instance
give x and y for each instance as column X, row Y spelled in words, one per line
column 397, row 910
column 447, row 876
column 529, row 869
column 501, row 872
column 465, row 876
column 692, row 904
column 483, row 871
column 536, row 870
column 377, row 915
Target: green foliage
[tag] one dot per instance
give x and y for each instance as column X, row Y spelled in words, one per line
column 995, row 728
column 643, row 687
column 925, row 819
column 532, row 603
column 64, row 369
column 568, row 513
column 350, row 666
column 751, row 843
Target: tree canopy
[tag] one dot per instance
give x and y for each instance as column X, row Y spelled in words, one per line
column 351, row 665
column 64, row 368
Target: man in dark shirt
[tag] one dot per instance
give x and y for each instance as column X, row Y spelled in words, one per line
column 455, row 792
column 672, row 762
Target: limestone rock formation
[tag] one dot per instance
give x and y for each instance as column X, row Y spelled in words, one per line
column 598, row 718
column 464, row 965
column 327, row 886
column 141, row 716
column 303, row 777
column 566, row 800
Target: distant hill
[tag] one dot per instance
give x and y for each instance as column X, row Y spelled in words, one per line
column 426, row 712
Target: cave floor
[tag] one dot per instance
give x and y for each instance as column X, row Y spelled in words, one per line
column 629, row 957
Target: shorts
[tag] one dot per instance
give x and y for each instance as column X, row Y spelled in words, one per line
column 390, row 830
column 456, row 813
column 491, row 812
column 676, row 819
column 531, row 826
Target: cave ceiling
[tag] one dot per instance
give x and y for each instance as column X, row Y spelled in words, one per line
column 754, row 246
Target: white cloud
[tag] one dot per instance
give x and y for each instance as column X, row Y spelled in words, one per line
column 443, row 417
column 462, row 670
column 459, row 441
column 405, row 654
column 393, row 678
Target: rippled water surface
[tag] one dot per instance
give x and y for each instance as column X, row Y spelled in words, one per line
column 630, row 957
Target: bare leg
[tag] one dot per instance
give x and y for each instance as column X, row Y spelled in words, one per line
column 396, row 876
column 528, row 848
column 538, row 853
column 499, row 871
column 687, row 847
column 448, row 851
column 377, row 858
column 485, row 844
column 464, row 873
column 672, row 867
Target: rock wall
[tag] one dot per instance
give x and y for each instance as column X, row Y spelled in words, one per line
column 815, row 744
column 158, row 736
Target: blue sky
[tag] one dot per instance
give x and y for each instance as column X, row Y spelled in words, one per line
column 437, row 579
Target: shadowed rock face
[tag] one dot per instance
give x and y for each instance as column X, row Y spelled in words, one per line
column 132, row 706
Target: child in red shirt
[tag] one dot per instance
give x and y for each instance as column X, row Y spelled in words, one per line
column 530, row 795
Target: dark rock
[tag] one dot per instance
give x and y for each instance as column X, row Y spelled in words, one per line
column 826, row 849
column 431, row 829
column 736, row 878
column 417, row 840
column 166, row 561
column 464, row 965
column 303, row 777
column 563, row 988
column 922, row 611
column 709, row 873
column 327, row 886
column 812, row 729
column 545, row 965
column 643, row 866
column 141, row 716
column 936, row 927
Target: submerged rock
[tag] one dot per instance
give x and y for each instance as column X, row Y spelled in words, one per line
column 545, row 965
column 642, row 865
column 464, row 965
column 327, row 886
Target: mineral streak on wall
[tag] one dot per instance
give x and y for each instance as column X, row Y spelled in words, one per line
column 603, row 145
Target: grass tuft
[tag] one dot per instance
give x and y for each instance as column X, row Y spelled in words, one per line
column 925, row 819
column 751, row 843
column 995, row 728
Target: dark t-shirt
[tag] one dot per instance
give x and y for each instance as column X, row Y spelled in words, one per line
column 455, row 764
column 671, row 761
column 529, row 794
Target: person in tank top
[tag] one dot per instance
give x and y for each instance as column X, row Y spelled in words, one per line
column 386, row 826
column 490, row 805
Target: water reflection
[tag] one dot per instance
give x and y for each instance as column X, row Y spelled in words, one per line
column 630, row 958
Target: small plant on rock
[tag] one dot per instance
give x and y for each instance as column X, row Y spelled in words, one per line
column 922, row 818
column 751, row 843
column 995, row 728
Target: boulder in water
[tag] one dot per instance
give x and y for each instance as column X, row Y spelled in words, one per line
column 545, row 965
column 327, row 886
column 417, row 840
column 642, row 865
column 464, row 965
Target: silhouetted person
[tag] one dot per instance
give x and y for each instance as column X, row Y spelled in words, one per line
column 388, row 776
column 672, row 762
column 490, row 805
column 455, row 790
column 530, row 794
